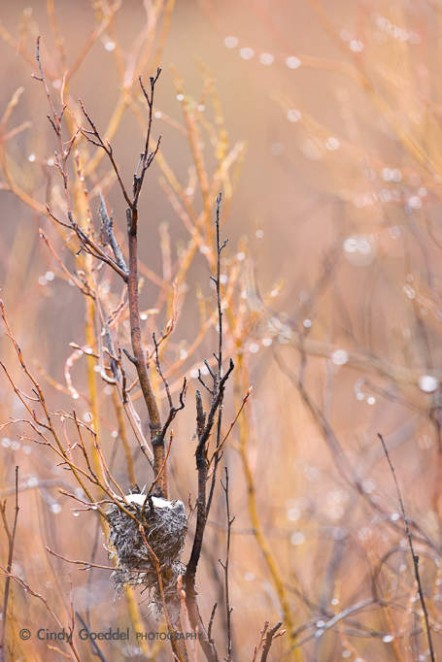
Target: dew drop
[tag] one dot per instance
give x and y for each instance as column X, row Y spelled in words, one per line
column 339, row 357
column 409, row 291
column 368, row 486
column 414, row 202
column 266, row 59
column 356, row 45
column 332, row 144
column 293, row 115
column 428, row 383
column 294, row 514
column 293, row 62
column 231, row 42
column 246, row 53
column 297, row 538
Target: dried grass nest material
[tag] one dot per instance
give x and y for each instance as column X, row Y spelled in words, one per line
column 164, row 526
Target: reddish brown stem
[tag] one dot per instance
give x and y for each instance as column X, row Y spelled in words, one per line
column 140, row 357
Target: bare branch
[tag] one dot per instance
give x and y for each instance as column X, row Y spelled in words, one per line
column 269, row 638
column 414, row 556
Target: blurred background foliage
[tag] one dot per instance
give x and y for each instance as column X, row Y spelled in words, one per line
column 321, row 123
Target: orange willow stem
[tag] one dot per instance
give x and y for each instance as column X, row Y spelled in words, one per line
column 136, row 620
column 241, row 382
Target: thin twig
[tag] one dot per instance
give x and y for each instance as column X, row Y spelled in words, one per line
column 218, row 357
column 96, row 650
column 414, row 556
column 86, row 565
column 93, row 136
column 225, row 566
column 218, row 450
column 205, row 423
column 10, row 534
column 146, row 157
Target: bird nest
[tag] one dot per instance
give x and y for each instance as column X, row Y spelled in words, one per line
column 148, row 545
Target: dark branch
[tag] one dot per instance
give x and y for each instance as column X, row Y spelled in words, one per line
column 414, row 556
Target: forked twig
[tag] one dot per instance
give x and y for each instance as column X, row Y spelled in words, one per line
column 270, row 636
